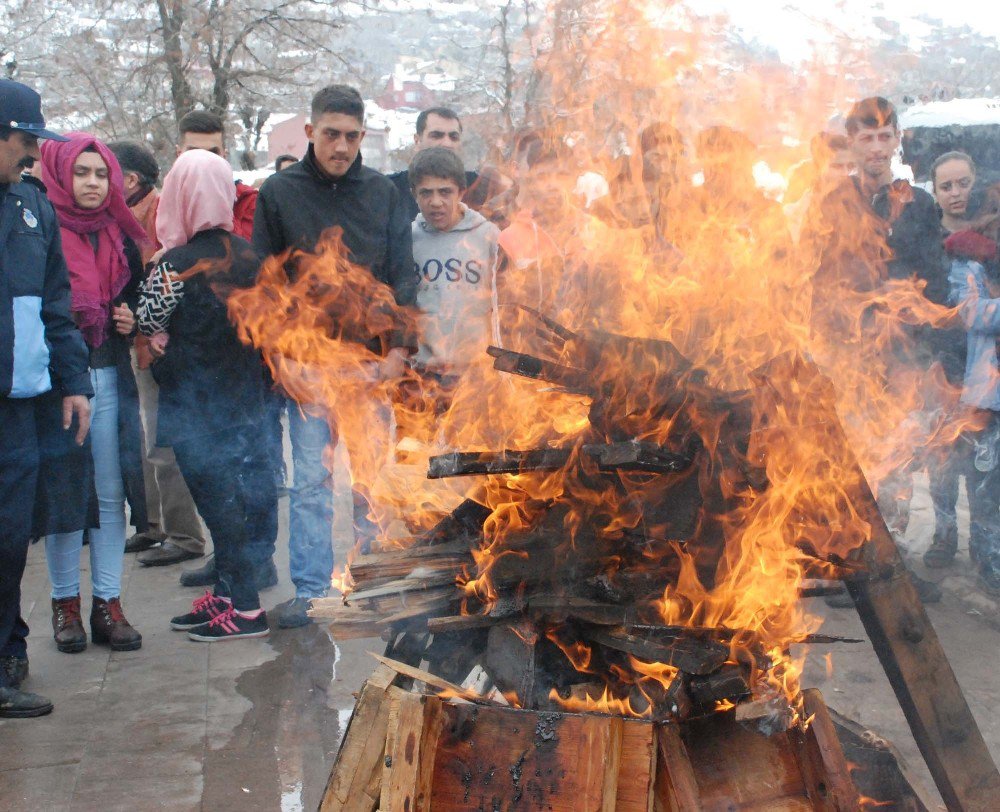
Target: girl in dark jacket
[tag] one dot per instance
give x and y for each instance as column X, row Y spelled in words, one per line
column 84, row 183
column 211, row 386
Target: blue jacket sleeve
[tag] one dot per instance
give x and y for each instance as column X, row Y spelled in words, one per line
column 69, row 358
column 980, row 313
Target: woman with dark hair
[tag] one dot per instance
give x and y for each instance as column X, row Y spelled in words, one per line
column 211, row 386
column 99, row 237
column 971, row 256
column 952, row 175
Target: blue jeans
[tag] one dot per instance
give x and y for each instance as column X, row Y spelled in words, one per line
column 310, row 520
column 107, row 543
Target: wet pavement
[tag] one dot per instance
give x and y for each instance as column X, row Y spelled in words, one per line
column 255, row 724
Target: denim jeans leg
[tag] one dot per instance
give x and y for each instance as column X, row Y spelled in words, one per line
column 310, row 525
column 107, row 543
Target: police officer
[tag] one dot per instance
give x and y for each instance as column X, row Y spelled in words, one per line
column 40, row 350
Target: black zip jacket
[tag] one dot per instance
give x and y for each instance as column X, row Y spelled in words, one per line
column 298, row 204
column 209, row 381
column 35, row 301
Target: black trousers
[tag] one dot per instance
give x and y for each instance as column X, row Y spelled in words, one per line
column 226, row 473
column 18, row 480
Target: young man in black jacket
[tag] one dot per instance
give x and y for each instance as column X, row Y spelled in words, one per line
column 40, row 350
column 331, row 187
column 869, row 230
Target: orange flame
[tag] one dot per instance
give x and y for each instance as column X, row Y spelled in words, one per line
column 711, row 268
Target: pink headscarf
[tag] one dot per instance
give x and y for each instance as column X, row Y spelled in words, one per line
column 198, row 194
column 96, row 277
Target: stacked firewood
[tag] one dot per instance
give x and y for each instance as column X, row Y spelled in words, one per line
column 560, row 619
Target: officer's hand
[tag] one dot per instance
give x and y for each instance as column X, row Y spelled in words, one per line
column 78, row 405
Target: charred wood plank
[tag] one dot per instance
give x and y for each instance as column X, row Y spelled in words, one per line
column 511, row 659
column 633, row 455
column 730, row 682
column 461, row 623
column 464, row 524
column 571, row 379
column 689, row 654
column 469, row 463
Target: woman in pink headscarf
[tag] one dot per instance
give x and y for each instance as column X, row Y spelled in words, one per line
column 99, row 236
column 211, row 402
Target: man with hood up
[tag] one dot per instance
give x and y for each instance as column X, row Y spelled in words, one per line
column 455, row 253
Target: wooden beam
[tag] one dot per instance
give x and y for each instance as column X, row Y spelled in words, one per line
column 415, row 723
column 897, row 624
column 357, row 773
column 676, row 785
column 828, row 776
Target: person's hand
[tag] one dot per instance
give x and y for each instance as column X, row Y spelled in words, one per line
column 78, row 405
column 158, row 344
column 155, row 259
column 124, row 319
column 393, row 364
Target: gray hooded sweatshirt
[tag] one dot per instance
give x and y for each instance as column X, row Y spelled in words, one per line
column 456, row 290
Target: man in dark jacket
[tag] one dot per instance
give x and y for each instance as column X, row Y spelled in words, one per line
column 436, row 127
column 40, row 350
column 869, row 230
column 330, row 187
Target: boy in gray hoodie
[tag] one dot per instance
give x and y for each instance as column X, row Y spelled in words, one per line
column 455, row 260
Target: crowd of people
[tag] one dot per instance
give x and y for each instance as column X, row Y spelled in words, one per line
column 123, row 379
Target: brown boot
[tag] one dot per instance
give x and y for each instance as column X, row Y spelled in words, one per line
column 109, row 626
column 67, row 625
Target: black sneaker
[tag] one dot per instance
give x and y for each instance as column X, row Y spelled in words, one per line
column 206, row 608
column 292, row 614
column 15, row 704
column 14, row 670
column 230, row 625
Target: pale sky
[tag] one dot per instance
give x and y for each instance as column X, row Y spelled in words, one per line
column 789, row 26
